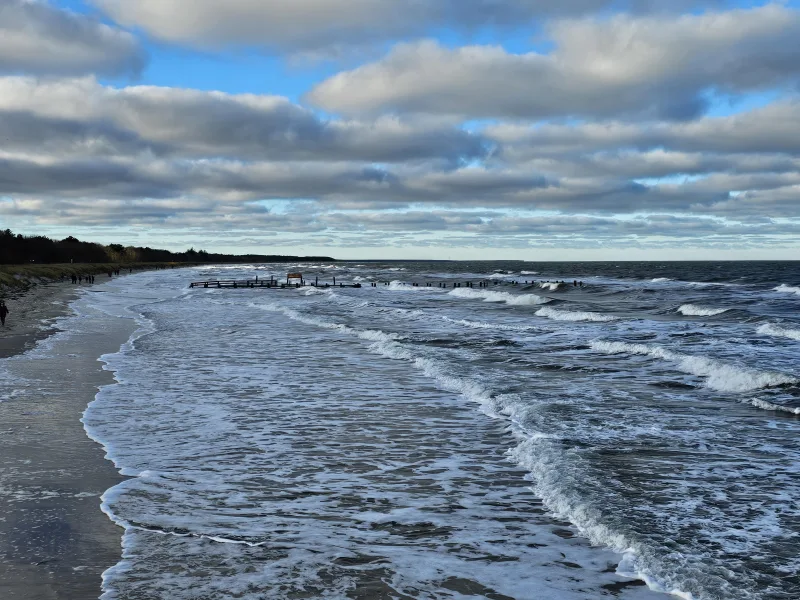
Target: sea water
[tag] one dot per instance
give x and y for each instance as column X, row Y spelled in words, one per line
column 529, row 439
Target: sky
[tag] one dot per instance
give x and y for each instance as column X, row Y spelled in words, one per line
column 424, row 129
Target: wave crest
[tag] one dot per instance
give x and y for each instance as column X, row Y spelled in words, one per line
column 693, row 310
column 489, row 296
column 567, row 315
column 719, row 375
column 788, row 289
column 778, row 331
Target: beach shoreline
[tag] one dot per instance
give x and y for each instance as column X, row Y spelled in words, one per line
column 55, row 542
column 32, row 313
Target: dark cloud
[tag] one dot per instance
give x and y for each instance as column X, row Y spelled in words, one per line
column 42, row 39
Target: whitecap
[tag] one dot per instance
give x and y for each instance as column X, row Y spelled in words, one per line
column 720, row 376
column 693, row 310
column 764, row 405
column 778, row 331
column 484, row 325
column 490, row 296
column 568, row 315
column 788, row 289
column 405, row 287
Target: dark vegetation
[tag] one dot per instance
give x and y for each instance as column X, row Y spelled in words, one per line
column 17, row 249
column 26, row 260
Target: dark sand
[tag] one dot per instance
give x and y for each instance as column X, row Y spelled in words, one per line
column 29, row 312
column 54, row 540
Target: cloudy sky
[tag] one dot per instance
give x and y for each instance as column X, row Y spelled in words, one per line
column 530, row 129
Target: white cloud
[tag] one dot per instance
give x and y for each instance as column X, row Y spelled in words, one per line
column 81, row 116
column 38, row 38
column 627, row 66
column 312, row 25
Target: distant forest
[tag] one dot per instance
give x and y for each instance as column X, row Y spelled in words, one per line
column 18, row 249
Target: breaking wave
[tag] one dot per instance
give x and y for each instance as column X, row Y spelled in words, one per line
column 788, row 289
column 693, row 310
column 406, row 287
column 778, row 331
column 567, row 315
column 489, row 296
column 492, row 326
column 719, row 375
column 661, row 279
column 763, row 404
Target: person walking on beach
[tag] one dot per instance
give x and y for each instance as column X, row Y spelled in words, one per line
column 3, row 312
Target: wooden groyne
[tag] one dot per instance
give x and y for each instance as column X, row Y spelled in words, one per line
column 296, row 280
column 265, row 283
column 275, row 284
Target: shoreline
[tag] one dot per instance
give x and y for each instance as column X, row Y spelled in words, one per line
column 33, row 311
column 55, row 541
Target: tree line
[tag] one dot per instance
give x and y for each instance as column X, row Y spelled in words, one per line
column 17, row 249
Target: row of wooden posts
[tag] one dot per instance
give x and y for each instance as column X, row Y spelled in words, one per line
column 470, row 284
column 274, row 283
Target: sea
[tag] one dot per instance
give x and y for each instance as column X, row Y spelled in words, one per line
column 502, row 430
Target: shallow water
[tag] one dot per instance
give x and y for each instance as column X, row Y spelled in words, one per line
column 422, row 442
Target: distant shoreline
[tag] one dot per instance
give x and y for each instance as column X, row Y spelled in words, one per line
column 25, row 275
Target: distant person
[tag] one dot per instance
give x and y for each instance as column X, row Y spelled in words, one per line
column 3, row 313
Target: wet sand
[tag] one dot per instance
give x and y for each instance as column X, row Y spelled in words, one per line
column 29, row 312
column 54, row 540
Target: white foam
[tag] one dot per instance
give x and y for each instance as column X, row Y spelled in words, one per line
column 763, row 404
column 406, row 287
column 485, row 325
column 778, row 331
column 693, row 310
column 661, row 279
column 568, row 315
column 315, row 291
column 719, row 375
column 788, row 289
column 550, row 285
column 528, row 272
column 373, row 335
column 490, row 296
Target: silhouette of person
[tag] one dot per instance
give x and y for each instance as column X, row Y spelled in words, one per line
column 3, row 313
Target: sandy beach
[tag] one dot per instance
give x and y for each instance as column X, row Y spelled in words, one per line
column 54, row 540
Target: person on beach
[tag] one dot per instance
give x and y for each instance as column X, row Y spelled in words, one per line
column 3, row 312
